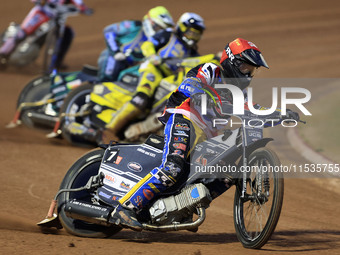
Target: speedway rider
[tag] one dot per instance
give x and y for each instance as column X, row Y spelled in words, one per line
column 182, row 44
column 124, row 40
column 183, row 123
column 43, row 11
column 153, row 33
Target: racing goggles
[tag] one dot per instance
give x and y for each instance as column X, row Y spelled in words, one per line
column 156, row 27
column 247, row 69
column 193, row 34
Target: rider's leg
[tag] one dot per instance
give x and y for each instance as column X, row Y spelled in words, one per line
column 33, row 20
column 150, row 77
column 64, row 46
column 180, row 137
column 127, row 113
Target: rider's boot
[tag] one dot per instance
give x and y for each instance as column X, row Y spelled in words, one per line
column 137, row 198
column 125, row 218
column 141, row 195
column 151, row 124
column 82, row 131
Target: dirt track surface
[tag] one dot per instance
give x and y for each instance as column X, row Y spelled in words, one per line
column 298, row 39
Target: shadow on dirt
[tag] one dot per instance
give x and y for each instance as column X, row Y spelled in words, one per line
column 179, row 237
column 282, row 241
column 304, row 240
column 290, row 241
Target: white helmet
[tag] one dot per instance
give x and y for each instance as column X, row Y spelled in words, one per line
column 190, row 27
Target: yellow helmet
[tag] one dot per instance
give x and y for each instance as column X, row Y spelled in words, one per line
column 156, row 19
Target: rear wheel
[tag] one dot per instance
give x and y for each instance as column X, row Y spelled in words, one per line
column 36, row 90
column 77, row 176
column 256, row 215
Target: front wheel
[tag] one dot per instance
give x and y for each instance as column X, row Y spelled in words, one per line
column 77, row 176
column 257, row 213
column 71, row 112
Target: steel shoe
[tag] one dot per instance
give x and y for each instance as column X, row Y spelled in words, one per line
column 125, row 218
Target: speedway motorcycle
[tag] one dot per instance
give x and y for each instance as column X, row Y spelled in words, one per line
column 92, row 186
column 50, row 34
column 47, row 102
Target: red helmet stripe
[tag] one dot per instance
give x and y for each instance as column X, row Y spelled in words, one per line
column 239, row 45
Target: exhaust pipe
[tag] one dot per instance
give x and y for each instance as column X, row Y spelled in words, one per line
column 99, row 214
column 179, row 226
column 88, row 212
column 42, row 119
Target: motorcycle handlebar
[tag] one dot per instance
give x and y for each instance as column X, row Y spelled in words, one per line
column 70, row 10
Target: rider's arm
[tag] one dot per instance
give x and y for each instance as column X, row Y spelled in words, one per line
column 161, row 38
column 148, row 49
column 191, row 86
column 39, row 2
column 114, row 32
column 207, row 73
column 80, row 5
column 154, row 43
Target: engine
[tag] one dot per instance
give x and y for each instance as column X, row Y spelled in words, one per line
column 180, row 207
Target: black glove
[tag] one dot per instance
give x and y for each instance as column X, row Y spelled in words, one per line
column 292, row 115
